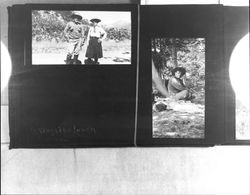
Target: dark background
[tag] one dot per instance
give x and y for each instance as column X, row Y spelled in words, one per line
column 236, row 25
column 100, row 100
column 191, row 21
column 104, row 97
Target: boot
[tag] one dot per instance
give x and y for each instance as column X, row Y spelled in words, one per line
column 75, row 60
column 96, row 61
column 68, row 59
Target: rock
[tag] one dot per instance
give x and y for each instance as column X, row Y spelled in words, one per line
column 121, row 60
column 159, row 106
column 178, row 119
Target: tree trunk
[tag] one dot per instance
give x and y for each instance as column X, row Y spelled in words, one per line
column 161, row 45
column 166, row 53
column 158, row 82
column 173, row 52
column 154, row 45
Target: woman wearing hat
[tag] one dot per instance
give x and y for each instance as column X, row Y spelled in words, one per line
column 74, row 33
column 176, row 85
column 95, row 37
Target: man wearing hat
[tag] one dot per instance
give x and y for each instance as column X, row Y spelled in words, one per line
column 74, row 33
column 95, row 37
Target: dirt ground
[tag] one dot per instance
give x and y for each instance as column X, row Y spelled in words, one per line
column 180, row 120
column 55, row 53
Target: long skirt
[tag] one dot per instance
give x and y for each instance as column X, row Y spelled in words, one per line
column 94, row 49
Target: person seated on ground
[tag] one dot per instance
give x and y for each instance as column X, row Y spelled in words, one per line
column 176, row 85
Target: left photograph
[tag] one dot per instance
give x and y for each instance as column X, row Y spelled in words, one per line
column 81, row 37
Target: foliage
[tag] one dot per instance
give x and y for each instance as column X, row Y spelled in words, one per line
column 184, row 119
column 48, row 25
column 168, row 53
column 175, row 123
column 118, row 34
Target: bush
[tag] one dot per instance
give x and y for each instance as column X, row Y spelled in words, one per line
column 118, row 34
column 48, row 25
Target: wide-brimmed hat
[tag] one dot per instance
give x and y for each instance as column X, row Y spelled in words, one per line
column 76, row 16
column 180, row 69
column 96, row 20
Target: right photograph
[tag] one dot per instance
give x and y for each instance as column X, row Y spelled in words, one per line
column 178, row 88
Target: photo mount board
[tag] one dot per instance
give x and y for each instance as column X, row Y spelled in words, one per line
column 106, row 95
column 69, row 105
column 236, row 26
column 178, row 21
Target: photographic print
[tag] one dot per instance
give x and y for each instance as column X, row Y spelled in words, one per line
column 239, row 77
column 81, row 37
column 178, row 87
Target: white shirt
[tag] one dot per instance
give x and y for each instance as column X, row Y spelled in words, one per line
column 97, row 32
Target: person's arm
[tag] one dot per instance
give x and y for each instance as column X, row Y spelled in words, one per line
column 103, row 34
column 82, row 31
column 83, row 38
column 66, row 35
column 177, row 84
column 184, row 80
column 88, row 35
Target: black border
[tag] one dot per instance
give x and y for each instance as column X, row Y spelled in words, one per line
column 18, row 43
column 236, row 25
column 183, row 21
column 110, row 89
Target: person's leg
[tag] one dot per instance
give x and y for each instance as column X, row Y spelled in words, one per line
column 182, row 95
column 71, row 47
column 75, row 59
column 96, row 61
column 95, row 50
column 77, row 49
column 190, row 96
column 98, row 52
column 68, row 58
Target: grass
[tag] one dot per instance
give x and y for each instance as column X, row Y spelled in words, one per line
column 180, row 120
column 111, row 45
column 242, row 121
column 52, row 52
column 58, row 47
column 48, row 47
